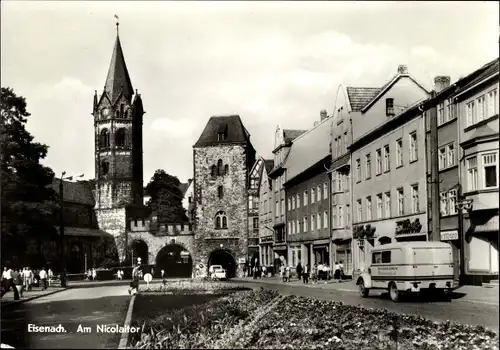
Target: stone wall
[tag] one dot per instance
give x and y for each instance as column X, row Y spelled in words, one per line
column 113, row 221
column 234, row 202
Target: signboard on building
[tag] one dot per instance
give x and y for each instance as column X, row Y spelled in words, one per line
column 449, row 235
column 241, row 260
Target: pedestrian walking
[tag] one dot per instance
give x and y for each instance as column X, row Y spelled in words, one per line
column 305, row 274
column 299, row 271
column 30, row 279
column 17, row 279
column 94, row 274
column 342, row 274
column 9, row 283
column 287, row 274
column 264, row 271
column 50, row 275
column 136, row 276
column 43, row 278
column 162, row 274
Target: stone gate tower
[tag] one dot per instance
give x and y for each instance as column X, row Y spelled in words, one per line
column 222, row 159
column 118, row 116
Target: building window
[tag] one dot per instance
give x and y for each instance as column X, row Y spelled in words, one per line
column 325, row 219
column 104, row 138
column 313, row 195
column 298, row 225
column 387, row 205
column 472, row 174
column 471, row 113
column 221, row 136
column 255, row 223
column 318, row 193
column 220, row 220
column 347, row 215
column 490, row 166
column 492, row 103
column 359, row 210
column 415, row 205
column 277, row 209
column 440, row 114
column 121, row 137
column 226, row 169
column 318, row 221
column 325, row 190
column 341, row 216
column 293, row 202
column 336, row 186
column 305, row 224
column 346, row 182
column 358, row 170
column 306, row 196
column 313, row 223
column 380, row 207
column 448, row 202
column 282, row 207
column 399, row 151
column 389, row 107
column 219, row 167
column 298, row 201
column 345, row 142
column 401, row 202
column 289, row 204
column 220, row 194
column 387, row 158
column 378, row 161
column 368, row 163
column 334, row 217
column 446, row 156
column 481, row 108
column 413, row 147
column 451, row 110
column 368, row 208
column 213, row 171
column 289, row 228
column 104, row 167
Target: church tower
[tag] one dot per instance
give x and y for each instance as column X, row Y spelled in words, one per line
column 118, row 117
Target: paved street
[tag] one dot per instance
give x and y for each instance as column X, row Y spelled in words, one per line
column 457, row 310
column 106, row 305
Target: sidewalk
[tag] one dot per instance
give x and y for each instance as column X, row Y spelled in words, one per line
column 8, row 298
column 474, row 294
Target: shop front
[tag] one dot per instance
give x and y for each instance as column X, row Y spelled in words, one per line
column 266, row 253
column 280, row 256
column 343, row 254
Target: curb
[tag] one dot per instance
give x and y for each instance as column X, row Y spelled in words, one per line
column 33, row 298
column 128, row 319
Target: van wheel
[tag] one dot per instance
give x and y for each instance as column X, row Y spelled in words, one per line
column 393, row 292
column 362, row 290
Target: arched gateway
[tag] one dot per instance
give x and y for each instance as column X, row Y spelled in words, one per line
column 225, row 258
column 175, row 260
column 139, row 249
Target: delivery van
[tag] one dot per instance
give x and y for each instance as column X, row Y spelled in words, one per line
column 409, row 267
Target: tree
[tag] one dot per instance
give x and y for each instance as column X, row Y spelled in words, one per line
column 28, row 202
column 166, row 198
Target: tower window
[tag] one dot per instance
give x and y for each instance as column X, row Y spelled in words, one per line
column 226, row 169
column 220, row 192
column 220, row 220
column 104, row 167
column 117, row 113
column 104, row 138
column 219, row 167
column 389, row 107
column 121, row 137
column 122, row 108
column 213, row 171
column 221, row 136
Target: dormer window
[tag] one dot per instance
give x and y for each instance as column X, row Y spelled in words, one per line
column 221, row 136
column 222, row 133
column 389, row 107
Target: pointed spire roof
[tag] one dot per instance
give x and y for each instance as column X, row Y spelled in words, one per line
column 118, row 79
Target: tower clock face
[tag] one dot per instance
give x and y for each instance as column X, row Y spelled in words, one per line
column 105, row 112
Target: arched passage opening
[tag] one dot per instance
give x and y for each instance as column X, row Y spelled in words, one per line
column 175, row 261
column 139, row 249
column 384, row 240
column 226, row 259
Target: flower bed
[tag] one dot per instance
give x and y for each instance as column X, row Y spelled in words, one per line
column 301, row 322
column 192, row 287
column 201, row 326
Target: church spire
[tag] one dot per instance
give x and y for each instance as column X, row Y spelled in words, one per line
column 118, row 79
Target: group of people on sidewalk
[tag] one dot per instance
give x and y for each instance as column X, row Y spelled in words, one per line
column 315, row 272
column 20, row 280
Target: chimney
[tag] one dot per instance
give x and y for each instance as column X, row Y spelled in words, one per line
column 441, row 82
column 323, row 114
column 402, row 69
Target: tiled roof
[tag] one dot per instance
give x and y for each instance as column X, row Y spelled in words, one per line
column 79, row 192
column 118, row 78
column 485, row 71
column 361, row 96
column 269, row 164
column 184, row 186
column 290, row 134
column 231, row 125
column 308, row 149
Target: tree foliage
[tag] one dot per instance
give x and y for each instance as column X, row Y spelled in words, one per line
column 27, row 199
column 166, row 197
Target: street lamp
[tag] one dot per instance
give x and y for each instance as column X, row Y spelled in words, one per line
column 61, row 225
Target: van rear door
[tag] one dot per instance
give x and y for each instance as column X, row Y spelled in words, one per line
column 432, row 262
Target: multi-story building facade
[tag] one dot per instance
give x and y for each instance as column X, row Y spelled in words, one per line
column 477, row 106
column 266, row 235
column 307, row 196
column 222, row 159
column 283, row 139
column 389, row 168
column 253, row 210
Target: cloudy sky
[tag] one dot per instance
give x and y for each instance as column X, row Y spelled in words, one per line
column 270, row 62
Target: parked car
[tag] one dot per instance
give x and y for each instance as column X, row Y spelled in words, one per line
column 217, row 272
column 409, row 267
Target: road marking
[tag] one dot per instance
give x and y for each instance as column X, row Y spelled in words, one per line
column 128, row 319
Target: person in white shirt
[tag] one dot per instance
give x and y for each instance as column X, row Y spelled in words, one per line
column 320, row 271
column 43, row 278
column 30, row 278
column 50, row 275
column 342, row 275
column 94, row 274
column 9, row 283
